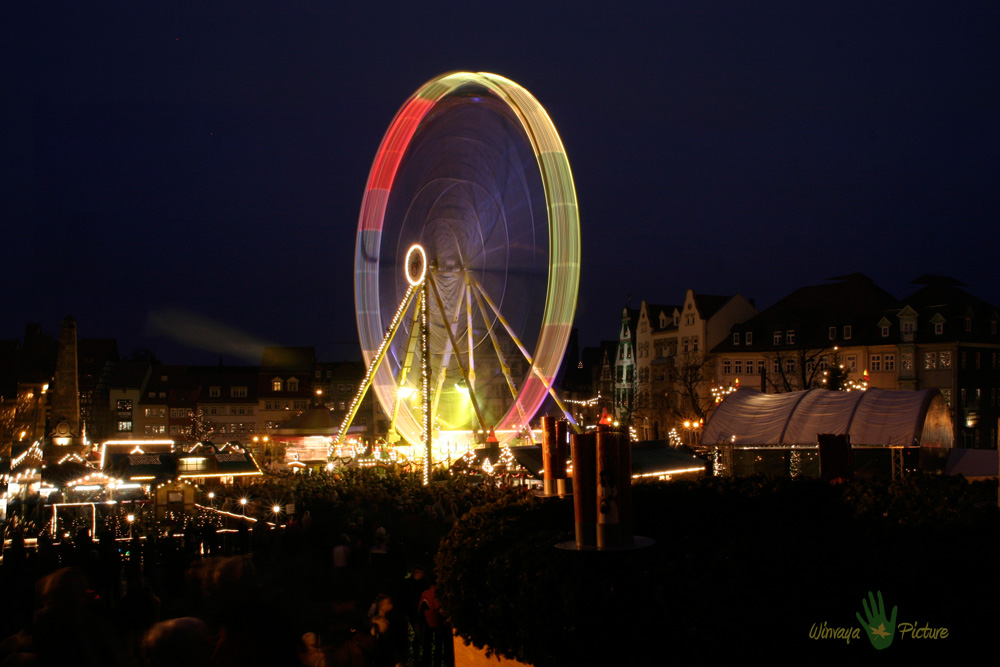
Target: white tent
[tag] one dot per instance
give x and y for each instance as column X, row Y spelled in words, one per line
column 872, row 417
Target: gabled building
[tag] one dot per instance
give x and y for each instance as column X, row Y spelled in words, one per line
column 939, row 337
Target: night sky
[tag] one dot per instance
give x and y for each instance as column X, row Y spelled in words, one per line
column 171, row 176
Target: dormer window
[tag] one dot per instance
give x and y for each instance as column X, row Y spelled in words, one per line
column 885, row 332
column 748, row 338
column 736, row 338
column 777, row 338
column 847, row 332
column 938, row 328
column 790, row 336
column 276, row 384
column 833, row 333
column 293, row 384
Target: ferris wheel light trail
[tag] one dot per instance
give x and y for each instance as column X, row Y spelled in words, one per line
column 472, row 178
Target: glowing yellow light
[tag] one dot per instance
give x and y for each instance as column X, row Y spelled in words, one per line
column 276, row 509
column 416, row 264
column 243, row 501
column 130, row 518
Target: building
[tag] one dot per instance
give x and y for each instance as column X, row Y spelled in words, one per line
column 850, row 332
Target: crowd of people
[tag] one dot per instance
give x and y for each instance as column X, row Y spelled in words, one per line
column 345, row 578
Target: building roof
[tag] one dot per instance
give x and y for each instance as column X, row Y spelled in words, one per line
column 710, row 304
column 872, row 417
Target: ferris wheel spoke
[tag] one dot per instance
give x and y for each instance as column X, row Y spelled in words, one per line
column 527, row 357
column 461, row 366
column 504, row 366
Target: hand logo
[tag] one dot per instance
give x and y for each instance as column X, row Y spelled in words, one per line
column 879, row 631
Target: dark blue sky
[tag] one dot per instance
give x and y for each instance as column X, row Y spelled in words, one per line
column 171, row 175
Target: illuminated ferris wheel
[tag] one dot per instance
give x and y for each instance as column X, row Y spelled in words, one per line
column 467, row 262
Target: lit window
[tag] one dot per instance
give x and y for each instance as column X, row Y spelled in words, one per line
column 276, row 384
column 945, row 359
column 124, row 426
column 906, row 362
column 930, row 361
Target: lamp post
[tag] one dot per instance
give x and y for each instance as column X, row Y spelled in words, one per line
column 243, row 504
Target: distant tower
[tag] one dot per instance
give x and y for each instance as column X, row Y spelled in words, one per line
column 625, row 368
column 65, row 395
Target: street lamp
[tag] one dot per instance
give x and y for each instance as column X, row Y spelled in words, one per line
column 243, row 504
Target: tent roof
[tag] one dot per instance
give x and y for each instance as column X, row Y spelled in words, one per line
column 873, row 417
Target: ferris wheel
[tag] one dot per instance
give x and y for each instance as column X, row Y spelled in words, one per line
column 467, row 262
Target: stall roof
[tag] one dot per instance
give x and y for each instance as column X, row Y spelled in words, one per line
column 872, row 417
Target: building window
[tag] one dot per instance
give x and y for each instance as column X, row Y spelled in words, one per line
column 791, row 337
column 968, row 324
column 238, row 392
column 727, row 367
column 930, row 361
column 789, row 365
column 214, row 392
column 125, row 404
column 890, row 362
column 939, row 328
column 946, row 394
column 777, row 338
column 736, row 338
column 885, row 332
column 124, row 426
column 293, row 384
column 833, row 333
column 875, row 362
column 852, row 362
column 847, row 332
column 760, row 367
column 977, row 361
column 748, row 337
column 276, row 384
column 909, row 327
column 694, row 344
column 945, row 359
column 738, row 367
column 906, row 362
column 775, row 366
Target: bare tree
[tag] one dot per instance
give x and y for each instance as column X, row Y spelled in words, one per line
column 793, row 370
column 691, row 377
